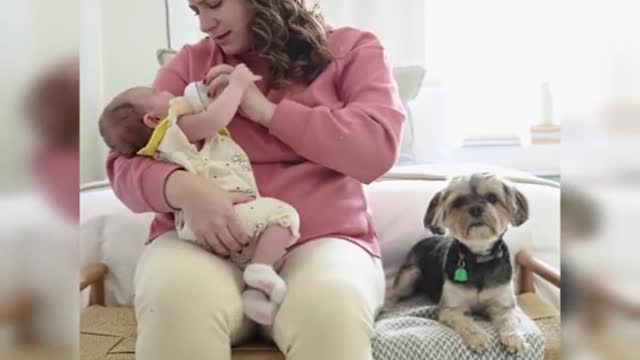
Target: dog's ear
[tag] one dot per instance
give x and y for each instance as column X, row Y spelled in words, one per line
column 433, row 219
column 517, row 204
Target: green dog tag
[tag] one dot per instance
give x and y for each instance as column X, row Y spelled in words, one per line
column 461, row 275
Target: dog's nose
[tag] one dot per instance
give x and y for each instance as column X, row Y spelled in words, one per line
column 475, row 211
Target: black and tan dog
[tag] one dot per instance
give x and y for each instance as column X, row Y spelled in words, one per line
column 468, row 269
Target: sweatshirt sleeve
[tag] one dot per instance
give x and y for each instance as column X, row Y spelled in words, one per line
column 361, row 139
column 139, row 181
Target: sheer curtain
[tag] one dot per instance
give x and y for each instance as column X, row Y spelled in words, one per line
column 398, row 24
column 495, row 60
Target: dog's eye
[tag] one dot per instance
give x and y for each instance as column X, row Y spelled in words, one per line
column 459, row 202
column 492, row 198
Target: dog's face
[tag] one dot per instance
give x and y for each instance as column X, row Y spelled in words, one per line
column 476, row 209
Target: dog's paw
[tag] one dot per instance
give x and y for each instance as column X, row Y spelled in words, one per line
column 477, row 340
column 514, row 343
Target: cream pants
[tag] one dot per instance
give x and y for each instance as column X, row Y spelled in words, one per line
column 188, row 303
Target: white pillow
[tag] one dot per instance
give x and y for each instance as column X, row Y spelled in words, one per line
column 409, row 80
column 164, row 55
column 398, row 208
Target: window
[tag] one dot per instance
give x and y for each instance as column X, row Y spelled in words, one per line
column 494, row 60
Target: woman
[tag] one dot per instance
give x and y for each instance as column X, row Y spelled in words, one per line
column 325, row 118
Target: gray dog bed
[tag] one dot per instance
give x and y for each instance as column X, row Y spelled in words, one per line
column 410, row 331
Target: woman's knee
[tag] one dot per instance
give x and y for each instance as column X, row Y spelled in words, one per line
column 180, row 280
column 328, row 307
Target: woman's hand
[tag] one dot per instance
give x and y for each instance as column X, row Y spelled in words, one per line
column 209, row 212
column 217, row 79
column 243, row 77
column 256, row 107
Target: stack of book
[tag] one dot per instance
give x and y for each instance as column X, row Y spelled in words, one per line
column 492, row 140
column 545, row 134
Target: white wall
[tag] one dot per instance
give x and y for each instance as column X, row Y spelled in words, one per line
column 132, row 31
column 13, row 134
column 33, row 33
column 120, row 39
column 57, row 28
column 91, row 90
column 183, row 26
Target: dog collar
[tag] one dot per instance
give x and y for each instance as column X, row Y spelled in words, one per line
column 496, row 252
column 461, row 275
column 481, row 259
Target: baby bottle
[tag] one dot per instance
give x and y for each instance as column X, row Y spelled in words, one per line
column 196, row 94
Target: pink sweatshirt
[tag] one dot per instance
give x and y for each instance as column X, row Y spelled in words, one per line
column 325, row 140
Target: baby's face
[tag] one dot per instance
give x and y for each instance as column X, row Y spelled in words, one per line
column 151, row 101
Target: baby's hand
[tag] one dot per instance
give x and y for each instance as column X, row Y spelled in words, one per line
column 242, row 76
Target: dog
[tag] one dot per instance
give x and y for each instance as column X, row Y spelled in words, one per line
column 468, row 268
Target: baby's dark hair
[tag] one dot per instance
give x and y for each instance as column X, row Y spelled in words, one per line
column 122, row 128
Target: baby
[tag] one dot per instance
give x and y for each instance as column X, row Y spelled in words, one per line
column 142, row 121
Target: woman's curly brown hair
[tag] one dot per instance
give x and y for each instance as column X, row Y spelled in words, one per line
column 291, row 39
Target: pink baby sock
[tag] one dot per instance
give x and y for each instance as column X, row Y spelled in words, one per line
column 264, row 278
column 257, row 307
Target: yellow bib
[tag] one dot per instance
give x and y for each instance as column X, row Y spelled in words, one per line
column 158, row 135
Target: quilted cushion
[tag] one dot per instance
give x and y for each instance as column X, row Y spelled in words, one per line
column 410, row 329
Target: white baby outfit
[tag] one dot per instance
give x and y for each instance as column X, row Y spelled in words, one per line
column 223, row 161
